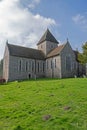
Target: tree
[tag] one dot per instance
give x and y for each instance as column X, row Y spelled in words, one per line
column 85, row 52
column 82, row 57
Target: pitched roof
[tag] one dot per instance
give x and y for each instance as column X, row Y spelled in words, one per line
column 47, row 37
column 25, row 52
column 56, row 51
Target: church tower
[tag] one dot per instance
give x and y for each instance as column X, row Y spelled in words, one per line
column 47, row 42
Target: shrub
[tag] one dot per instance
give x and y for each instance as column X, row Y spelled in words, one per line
column 2, row 80
column 18, row 128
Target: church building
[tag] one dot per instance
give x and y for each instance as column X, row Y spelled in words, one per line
column 49, row 60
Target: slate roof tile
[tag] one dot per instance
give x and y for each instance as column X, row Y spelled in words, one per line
column 19, row 51
column 56, row 51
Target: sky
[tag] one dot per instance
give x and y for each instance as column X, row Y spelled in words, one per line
column 23, row 22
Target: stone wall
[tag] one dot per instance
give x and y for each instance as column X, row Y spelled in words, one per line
column 42, row 47
column 47, row 46
column 53, row 67
column 67, row 51
column 6, row 64
column 50, row 46
column 30, row 68
column 19, row 68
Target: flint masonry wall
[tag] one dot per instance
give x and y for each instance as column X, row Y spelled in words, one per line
column 67, row 51
column 32, row 67
column 6, row 64
column 53, row 67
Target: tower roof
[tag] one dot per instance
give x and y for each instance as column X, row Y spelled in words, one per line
column 47, row 37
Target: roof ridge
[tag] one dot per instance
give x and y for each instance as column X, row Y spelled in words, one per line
column 19, row 51
column 47, row 36
column 22, row 47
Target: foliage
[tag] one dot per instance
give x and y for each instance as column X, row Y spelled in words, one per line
column 47, row 104
column 82, row 57
column 2, row 80
column 85, row 52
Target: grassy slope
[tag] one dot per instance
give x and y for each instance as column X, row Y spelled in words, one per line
column 23, row 105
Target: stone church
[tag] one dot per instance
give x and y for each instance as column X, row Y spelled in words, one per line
column 49, row 60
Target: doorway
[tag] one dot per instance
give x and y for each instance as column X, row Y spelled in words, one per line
column 29, row 75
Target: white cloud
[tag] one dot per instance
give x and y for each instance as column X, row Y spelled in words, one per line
column 33, row 3
column 81, row 20
column 19, row 25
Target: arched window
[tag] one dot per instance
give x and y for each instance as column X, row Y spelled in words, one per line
column 55, row 63
column 43, row 66
column 26, row 66
column 47, row 64
column 32, row 65
column 29, row 65
column 38, row 66
column 20, row 66
column 68, row 63
column 51, row 64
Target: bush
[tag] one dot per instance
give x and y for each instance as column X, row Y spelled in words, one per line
column 18, row 128
column 2, row 80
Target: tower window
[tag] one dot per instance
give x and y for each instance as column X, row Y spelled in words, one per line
column 41, row 46
column 51, row 46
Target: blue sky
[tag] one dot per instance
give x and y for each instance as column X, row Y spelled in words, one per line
column 23, row 22
column 63, row 12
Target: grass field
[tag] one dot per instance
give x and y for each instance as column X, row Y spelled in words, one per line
column 46, row 104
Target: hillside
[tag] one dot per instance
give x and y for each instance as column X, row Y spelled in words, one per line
column 44, row 105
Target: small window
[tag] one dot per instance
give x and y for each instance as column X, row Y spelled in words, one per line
column 47, row 64
column 38, row 66
column 20, row 65
column 43, row 67
column 29, row 65
column 55, row 63
column 51, row 46
column 41, row 46
column 32, row 66
column 51, row 64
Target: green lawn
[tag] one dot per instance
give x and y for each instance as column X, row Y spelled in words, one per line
column 47, row 104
